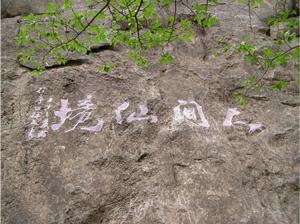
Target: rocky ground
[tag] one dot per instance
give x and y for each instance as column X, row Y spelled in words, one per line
column 152, row 166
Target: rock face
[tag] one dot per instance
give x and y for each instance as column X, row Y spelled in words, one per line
column 11, row 8
column 270, row 8
column 162, row 145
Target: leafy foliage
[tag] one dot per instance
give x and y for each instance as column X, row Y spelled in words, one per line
column 136, row 24
column 279, row 85
column 285, row 52
column 106, row 68
column 166, row 58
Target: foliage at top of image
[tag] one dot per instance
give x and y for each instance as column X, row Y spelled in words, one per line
column 137, row 24
column 284, row 52
column 134, row 23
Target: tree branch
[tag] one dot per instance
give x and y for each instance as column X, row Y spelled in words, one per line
column 137, row 22
column 269, row 65
column 83, row 30
column 174, row 20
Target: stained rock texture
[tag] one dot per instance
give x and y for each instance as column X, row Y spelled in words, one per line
column 154, row 159
column 11, row 8
column 270, row 8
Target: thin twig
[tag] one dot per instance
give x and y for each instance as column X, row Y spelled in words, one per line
column 137, row 22
column 188, row 7
column 122, row 13
column 174, row 20
column 249, row 14
column 207, row 14
column 269, row 65
column 84, row 29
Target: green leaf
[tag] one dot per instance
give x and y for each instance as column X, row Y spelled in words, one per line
column 24, row 56
column 279, row 42
column 215, row 53
column 296, row 53
column 148, row 12
column 167, row 58
column 244, row 47
column 170, row 19
column 241, row 99
column 256, row 3
column 38, row 72
column 188, row 36
column 250, row 82
column 53, row 8
column 273, row 21
column 279, row 85
column 167, row 2
column 68, row 4
column 227, row 48
column 106, row 68
column 199, row 8
column 268, row 52
column 185, row 24
column 211, row 21
column 215, row 2
column 139, row 60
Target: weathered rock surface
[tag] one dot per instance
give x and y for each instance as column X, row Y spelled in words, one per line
column 145, row 171
column 10, row 8
column 270, row 8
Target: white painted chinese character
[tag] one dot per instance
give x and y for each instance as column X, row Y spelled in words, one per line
column 62, row 114
column 231, row 112
column 255, row 127
column 142, row 115
column 37, row 117
column 118, row 111
column 96, row 128
column 190, row 111
column 85, row 108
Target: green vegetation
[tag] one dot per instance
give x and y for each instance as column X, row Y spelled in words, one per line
column 284, row 52
column 106, row 68
column 136, row 24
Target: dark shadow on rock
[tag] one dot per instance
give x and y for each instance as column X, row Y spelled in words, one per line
column 72, row 62
column 97, row 49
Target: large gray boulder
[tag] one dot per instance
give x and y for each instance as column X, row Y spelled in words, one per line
column 10, row 8
column 271, row 8
column 167, row 166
